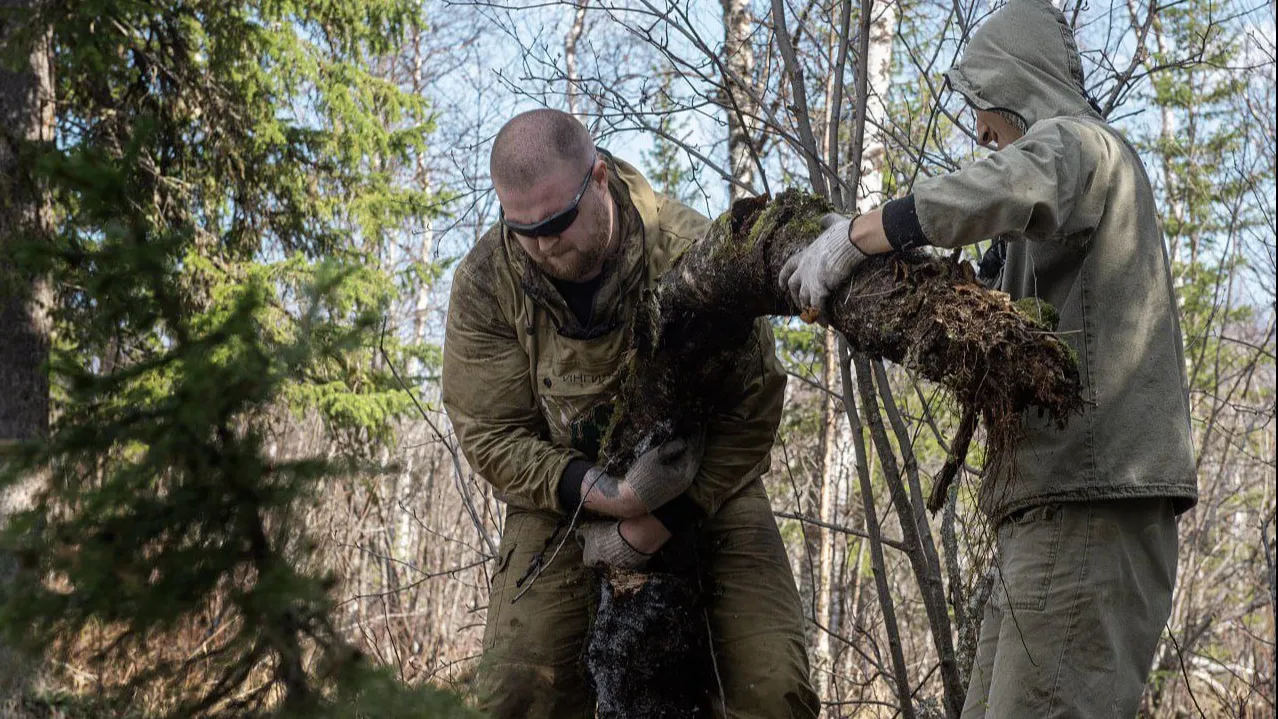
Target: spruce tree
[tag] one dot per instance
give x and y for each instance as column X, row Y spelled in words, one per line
column 220, row 185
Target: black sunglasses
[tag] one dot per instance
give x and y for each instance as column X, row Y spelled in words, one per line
column 558, row 222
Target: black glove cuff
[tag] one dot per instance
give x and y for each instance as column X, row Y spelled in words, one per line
column 901, row 225
column 569, row 489
column 679, row 514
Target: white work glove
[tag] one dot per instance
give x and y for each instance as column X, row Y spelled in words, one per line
column 602, row 545
column 665, row 472
column 809, row 276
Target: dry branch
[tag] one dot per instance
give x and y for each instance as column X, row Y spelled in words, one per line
column 925, row 313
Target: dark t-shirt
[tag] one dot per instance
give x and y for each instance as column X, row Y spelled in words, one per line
column 580, row 297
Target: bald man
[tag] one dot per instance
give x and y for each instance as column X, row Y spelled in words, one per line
column 537, row 327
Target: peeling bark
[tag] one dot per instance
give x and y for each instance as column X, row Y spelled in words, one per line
column 927, row 314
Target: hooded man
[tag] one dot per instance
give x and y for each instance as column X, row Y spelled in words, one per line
column 1086, row 517
column 538, row 325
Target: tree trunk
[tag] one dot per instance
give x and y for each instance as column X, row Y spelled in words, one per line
column 738, row 61
column 868, row 184
column 575, row 31
column 927, row 314
column 828, row 479
column 26, row 115
column 878, row 68
column 878, row 564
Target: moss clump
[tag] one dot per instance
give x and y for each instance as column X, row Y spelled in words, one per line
column 790, row 215
column 1038, row 312
column 721, row 227
column 765, row 224
column 1071, row 353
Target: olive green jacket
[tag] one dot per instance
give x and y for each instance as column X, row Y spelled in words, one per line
column 528, row 389
column 1074, row 202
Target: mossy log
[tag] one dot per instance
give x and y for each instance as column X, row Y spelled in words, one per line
column 925, row 313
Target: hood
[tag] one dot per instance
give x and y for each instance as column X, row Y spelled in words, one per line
column 1023, row 59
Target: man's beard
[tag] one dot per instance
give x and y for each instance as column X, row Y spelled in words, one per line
column 580, row 263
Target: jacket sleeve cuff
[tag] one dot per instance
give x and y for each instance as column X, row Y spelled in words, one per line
column 679, row 514
column 901, row 225
column 569, row 489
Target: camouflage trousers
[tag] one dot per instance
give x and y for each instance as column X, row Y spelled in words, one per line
column 534, row 648
column 1080, row 600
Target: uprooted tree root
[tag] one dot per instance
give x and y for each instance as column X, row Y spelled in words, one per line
column 927, row 314
column 649, row 652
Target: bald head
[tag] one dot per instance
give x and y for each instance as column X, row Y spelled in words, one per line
column 535, row 143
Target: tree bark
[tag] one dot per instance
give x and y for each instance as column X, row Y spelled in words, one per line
column 570, row 54
column 878, row 70
column 26, row 116
column 738, row 59
column 925, row 313
column 916, row 534
column 828, row 478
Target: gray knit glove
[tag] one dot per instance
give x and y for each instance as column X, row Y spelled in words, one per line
column 665, row 472
column 603, row 545
column 809, row 276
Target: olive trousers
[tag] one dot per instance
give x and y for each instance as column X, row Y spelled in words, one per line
column 1082, row 593
column 534, row 648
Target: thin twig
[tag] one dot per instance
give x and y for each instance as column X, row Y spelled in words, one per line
column 893, row 543
column 1183, row 671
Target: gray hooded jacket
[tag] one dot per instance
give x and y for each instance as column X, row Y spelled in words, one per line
column 1074, row 202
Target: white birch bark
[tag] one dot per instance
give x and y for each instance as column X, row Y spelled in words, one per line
column 575, row 31
column 831, row 453
column 738, row 59
column 879, row 76
column 836, row 434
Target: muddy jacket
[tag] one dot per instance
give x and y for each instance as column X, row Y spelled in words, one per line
column 529, row 389
column 1073, row 201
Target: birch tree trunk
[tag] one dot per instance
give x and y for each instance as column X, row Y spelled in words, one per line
column 878, row 68
column 575, row 31
column 738, row 61
column 407, row 530
column 835, row 436
column 835, row 433
column 827, row 477
column 26, row 115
